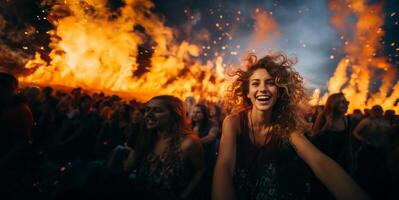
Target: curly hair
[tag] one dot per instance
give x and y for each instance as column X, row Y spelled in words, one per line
column 287, row 113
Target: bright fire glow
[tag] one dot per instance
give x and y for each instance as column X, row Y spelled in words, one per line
column 356, row 73
column 98, row 50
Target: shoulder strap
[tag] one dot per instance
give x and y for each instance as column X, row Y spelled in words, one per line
column 243, row 122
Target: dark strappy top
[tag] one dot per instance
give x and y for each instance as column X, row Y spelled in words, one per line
column 270, row 171
column 165, row 176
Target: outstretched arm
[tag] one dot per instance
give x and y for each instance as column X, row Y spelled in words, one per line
column 222, row 187
column 336, row 180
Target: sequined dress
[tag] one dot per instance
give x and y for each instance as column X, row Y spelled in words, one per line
column 165, row 176
column 268, row 172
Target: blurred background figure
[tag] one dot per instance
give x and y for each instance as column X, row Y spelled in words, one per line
column 169, row 157
column 372, row 154
column 332, row 130
column 208, row 132
column 16, row 124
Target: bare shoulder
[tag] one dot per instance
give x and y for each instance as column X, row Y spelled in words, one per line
column 232, row 120
column 365, row 121
column 190, row 143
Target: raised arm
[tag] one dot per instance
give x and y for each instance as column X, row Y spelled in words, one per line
column 223, row 187
column 320, row 124
column 211, row 136
column 336, row 180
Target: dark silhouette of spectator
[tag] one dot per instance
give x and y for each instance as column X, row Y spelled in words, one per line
column 356, row 117
column 375, row 129
column 33, row 96
column 76, row 137
column 389, row 115
column 372, row 173
column 134, row 127
column 208, row 133
column 16, row 123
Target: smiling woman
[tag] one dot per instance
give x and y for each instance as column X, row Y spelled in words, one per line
column 169, row 158
column 263, row 153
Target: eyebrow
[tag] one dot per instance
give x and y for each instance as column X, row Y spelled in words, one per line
column 257, row 79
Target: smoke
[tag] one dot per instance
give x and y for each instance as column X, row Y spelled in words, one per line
column 22, row 33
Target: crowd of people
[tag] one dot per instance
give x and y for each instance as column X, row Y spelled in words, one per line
column 57, row 144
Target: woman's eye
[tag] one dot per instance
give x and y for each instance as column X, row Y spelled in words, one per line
column 255, row 84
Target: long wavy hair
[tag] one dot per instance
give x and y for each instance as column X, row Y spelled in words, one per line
column 332, row 104
column 205, row 123
column 288, row 112
column 178, row 127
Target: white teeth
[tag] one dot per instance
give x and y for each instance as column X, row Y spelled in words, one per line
column 263, row 97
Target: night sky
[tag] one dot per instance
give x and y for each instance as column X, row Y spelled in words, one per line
column 304, row 24
column 220, row 27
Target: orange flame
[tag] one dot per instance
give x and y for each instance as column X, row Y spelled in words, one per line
column 362, row 61
column 96, row 49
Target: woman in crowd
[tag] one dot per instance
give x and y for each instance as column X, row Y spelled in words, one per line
column 258, row 155
column 372, row 172
column 332, row 130
column 134, row 126
column 208, row 133
column 374, row 130
column 168, row 157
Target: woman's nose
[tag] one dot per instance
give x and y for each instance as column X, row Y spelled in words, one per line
column 149, row 113
column 262, row 87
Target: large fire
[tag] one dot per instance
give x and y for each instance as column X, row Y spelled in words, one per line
column 364, row 61
column 97, row 49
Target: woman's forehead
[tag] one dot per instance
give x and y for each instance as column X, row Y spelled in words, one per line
column 155, row 103
column 260, row 74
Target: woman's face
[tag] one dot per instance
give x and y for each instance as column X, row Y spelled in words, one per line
column 137, row 116
column 156, row 114
column 343, row 105
column 263, row 91
column 197, row 114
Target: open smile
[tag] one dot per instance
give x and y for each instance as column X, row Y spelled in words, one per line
column 264, row 98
